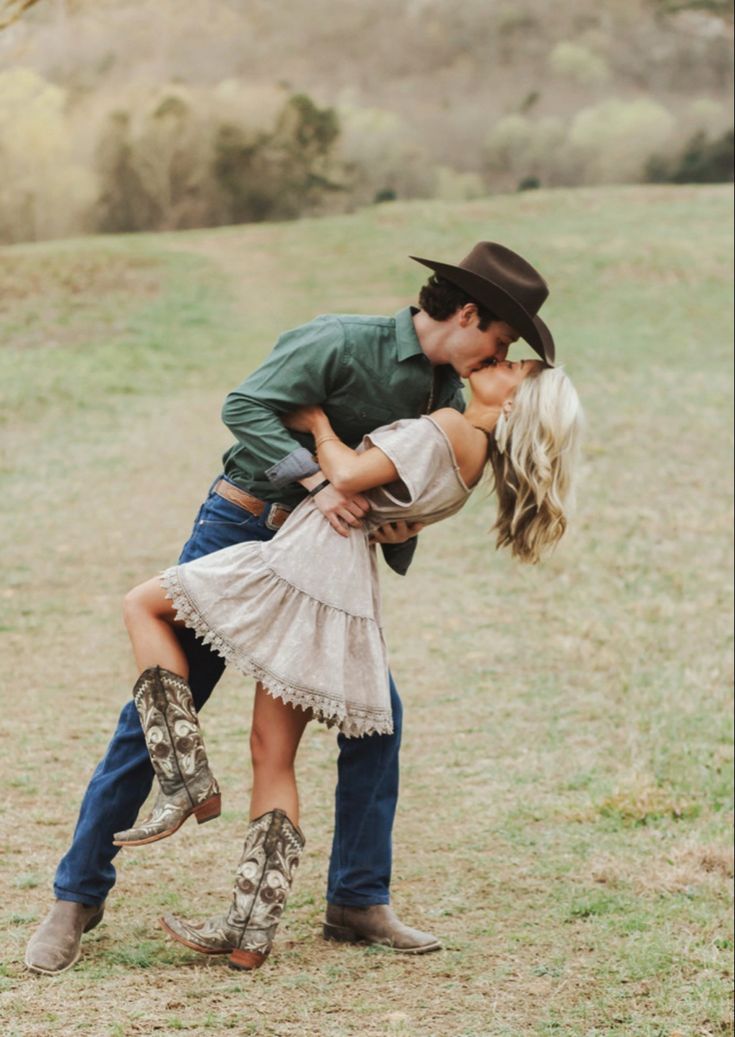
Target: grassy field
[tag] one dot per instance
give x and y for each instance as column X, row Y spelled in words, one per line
column 566, row 811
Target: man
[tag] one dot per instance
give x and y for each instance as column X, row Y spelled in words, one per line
column 366, row 372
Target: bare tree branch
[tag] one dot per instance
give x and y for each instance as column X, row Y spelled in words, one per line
column 11, row 10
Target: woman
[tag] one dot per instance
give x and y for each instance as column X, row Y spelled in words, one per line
column 301, row 613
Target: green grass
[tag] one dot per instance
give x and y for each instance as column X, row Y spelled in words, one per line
column 566, row 808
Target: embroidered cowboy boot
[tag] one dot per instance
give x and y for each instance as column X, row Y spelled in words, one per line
column 176, row 748
column 272, row 850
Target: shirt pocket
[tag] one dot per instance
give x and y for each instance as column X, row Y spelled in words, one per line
column 359, row 411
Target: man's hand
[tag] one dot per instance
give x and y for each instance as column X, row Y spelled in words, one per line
column 303, row 419
column 342, row 513
column 396, row 532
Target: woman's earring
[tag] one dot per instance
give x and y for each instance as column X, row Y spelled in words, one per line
column 501, row 431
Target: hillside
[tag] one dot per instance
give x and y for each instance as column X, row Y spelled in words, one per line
column 150, row 115
column 565, row 822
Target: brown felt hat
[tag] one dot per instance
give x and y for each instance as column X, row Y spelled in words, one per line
column 505, row 283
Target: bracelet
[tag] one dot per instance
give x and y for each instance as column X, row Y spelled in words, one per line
column 317, row 489
column 324, row 439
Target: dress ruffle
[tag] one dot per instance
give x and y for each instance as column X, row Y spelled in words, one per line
column 350, row 718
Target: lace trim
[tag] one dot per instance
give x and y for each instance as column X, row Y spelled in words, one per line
column 360, row 721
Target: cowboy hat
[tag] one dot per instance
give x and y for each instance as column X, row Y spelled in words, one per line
column 502, row 281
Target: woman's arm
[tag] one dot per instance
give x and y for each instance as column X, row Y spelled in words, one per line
column 348, row 471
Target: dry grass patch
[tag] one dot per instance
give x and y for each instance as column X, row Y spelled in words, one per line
column 69, row 297
column 680, row 869
column 641, row 800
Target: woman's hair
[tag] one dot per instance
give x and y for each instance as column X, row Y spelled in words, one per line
column 440, row 299
column 533, row 454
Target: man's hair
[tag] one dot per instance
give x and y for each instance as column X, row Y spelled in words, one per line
column 440, row 299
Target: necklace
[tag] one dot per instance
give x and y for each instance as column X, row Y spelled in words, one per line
column 432, row 393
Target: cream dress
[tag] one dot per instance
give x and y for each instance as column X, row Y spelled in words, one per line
column 301, row 612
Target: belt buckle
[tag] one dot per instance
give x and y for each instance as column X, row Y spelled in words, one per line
column 274, row 514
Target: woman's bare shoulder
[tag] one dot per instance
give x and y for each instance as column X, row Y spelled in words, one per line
column 464, row 442
column 451, row 422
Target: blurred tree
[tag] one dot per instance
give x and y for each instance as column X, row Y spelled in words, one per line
column 279, row 173
column 383, row 155
column 303, row 141
column 612, row 141
column 702, row 161
column 239, row 175
column 579, row 64
column 44, row 189
column 153, row 166
column 11, row 10
column 722, row 8
column 519, row 149
column 121, row 191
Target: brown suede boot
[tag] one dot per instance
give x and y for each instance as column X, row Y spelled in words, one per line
column 176, row 748
column 55, row 945
column 376, row 924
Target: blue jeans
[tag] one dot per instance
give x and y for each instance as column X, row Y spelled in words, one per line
column 367, row 785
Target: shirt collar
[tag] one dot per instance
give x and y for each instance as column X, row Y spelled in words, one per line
column 407, row 341
column 408, row 345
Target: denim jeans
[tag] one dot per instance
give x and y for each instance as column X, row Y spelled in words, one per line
column 367, row 785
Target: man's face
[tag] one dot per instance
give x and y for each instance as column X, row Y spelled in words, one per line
column 471, row 349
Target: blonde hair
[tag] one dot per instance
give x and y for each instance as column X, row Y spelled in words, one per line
column 533, row 455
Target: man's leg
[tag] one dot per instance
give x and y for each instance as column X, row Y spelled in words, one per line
column 358, row 888
column 365, row 806
column 118, row 789
column 116, row 792
column 121, row 782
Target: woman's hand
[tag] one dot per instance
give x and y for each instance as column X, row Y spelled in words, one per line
column 304, row 419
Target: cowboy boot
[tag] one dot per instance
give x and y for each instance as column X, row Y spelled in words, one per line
column 55, row 945
column 376, row 923
column 273, row 847
column 174, row 739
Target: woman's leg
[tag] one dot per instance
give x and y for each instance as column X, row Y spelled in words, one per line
column 274, row 739
column 169, row 720
column 273, row 844
column 150, row 619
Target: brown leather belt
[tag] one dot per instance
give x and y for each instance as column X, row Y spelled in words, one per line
column 276, row 516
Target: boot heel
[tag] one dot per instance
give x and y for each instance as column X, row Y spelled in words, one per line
column 340, row 934
column 209, row 810
column 247, row 960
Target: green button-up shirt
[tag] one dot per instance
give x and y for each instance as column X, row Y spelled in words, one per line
column 364, row 371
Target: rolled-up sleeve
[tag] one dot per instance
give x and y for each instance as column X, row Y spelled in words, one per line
column 294, row 466
column 303, row 369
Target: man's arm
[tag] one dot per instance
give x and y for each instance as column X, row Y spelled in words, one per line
column 303, row 369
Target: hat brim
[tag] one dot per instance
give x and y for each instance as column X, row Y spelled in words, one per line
column 531, row 328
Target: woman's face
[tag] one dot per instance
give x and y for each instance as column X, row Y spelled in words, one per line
column 496, row 383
